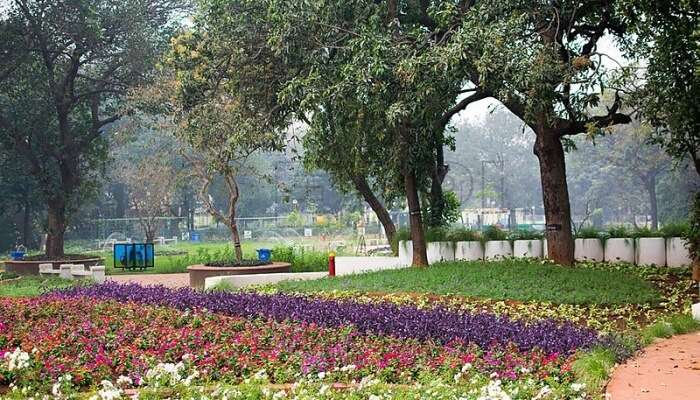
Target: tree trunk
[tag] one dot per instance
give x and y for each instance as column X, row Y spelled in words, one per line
column 437, row 199
column 363, row 188
column 56, row 228
column 27, row 223
column 650, row 183
column 555, row 196
column 420, row 255
column 235, row 236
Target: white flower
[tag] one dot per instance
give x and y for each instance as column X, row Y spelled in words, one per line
column 374, row 397
column 324, row 389
column 493, row 391
column 321, row 375
column 457, row 376
column 260, row 375
column 108, row 392
column 577, row 387
column 186, row 357
column 279, row 395
column 17, row 360
column 124, row 381
column 543, row 393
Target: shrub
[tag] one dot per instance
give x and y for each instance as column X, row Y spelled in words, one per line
column 645, row 232
column 463, row 235
column 618, row 232
column 401, row 234
column 492, row 232
column 437, row 234
column 525, row 234
column 588, row 233
column 693, row 235
column 301, row 260
column 675, row 229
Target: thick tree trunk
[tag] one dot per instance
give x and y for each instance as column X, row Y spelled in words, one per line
column 696, row 161
column 56, row 228
column 383, row 216
column 420, row 255
column 653, row 204
column 437, row 199
column 555, row 195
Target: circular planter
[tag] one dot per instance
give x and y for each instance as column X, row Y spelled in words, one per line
column 619, row 250
column 651, row 251
column 677, row 255
column 469, row 251
column 440, row 251
column 198, row 273
column 31, row 267
column 588, row 250
column 406, row 252
column 527, row 248
column 496, row 249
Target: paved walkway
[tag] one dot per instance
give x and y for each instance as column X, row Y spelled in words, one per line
column 169, row 280
column 667, row 370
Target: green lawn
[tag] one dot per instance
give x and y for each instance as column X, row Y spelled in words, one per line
column 32, row 286
column 514, row 280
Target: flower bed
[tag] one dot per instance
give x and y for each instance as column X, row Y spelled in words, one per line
column 91, row 340
column 439, row 324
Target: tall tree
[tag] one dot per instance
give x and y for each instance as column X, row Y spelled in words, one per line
column 64, row 70
column 542, row 61
column 668, row 37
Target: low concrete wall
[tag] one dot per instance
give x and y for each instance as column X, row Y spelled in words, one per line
column 343, row 266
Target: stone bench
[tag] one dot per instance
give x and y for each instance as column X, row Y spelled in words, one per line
column 74, row 271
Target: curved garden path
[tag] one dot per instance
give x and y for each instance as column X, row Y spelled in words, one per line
column 666, row 370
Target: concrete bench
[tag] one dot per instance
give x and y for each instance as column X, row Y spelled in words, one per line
column 74, row 271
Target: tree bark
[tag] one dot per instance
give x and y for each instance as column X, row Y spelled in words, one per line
column 437, row 199
column 56, row 228
column 653, row 204
column 555, row 195
column 420, row 255
column 235, row 236
column 383, row 216
column 26, row 222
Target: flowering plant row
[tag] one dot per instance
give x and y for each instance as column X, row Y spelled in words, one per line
column 440, row 324
column 55, row 346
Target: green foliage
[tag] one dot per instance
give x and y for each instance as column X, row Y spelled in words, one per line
column 676, row 229
column 618, row 232
column 401, row 234
column 665, row 328
column 588, row 233
column 463, row 235
column 436, row 234
column 33, row 286
column 493, row 232
column 645, row 232
column 511, row 279
column 295, row 219
column 447, row 212
column 302, row 260
column 593, row 368
column 525, row 234
column 693, row 235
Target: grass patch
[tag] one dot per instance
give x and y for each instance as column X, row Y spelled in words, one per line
column 29, row 286
column 593, row 368
column 505, row 280
column 667, row 327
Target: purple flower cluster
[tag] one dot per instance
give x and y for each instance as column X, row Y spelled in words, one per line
column 383, row 318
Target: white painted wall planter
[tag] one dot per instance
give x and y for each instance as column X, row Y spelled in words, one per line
column 619, row 250
column 469, row 251
column 406, row 252
column 496, row 249
column 440, row 251
column 545, row 250
column 588, row 250
column 527, row 248
column 651, row 251
column 677, row 255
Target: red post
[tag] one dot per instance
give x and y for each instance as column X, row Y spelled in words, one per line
column 331, row 264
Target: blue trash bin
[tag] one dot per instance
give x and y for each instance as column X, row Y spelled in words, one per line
column 195, row 237
column 264, row 254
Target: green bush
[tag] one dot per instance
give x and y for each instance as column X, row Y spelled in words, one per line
column 525, row 234
column 301, row 260
column 588, row 233
column 645, row 232
column 492, row 232
column 676, row 229
column 618, row 232
column 437, row 234
column 463, row 235
column 401, row 234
